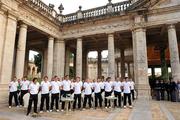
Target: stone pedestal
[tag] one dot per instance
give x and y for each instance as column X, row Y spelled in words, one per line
column 174, row 53
column 21, row 48
column 8, row 50
column 111, row 57
column 140, row 63
column 79, row 58
column 50, row 57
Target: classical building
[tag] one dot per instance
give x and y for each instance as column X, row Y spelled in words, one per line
column 150, row 29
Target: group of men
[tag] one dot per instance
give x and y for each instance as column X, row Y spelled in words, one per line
column 83, row 91
column 169, row 90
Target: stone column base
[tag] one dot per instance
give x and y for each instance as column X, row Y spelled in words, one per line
column 4, row 94
column 143, row 92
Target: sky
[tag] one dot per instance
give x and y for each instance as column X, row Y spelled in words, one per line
column 71, row 6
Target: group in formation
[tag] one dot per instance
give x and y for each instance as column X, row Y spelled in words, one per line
column 93, row 92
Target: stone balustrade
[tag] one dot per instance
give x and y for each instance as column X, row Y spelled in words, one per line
column 109, row 9
column 47, row 11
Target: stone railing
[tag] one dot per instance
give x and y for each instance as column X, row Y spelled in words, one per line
column 42, row 8
column 109, row 9
column 48, row 11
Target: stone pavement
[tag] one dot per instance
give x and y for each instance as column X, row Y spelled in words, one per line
column 150, row 110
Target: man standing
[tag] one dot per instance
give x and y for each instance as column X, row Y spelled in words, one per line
column 44, row 88
column 117, row 92
column 127, row 92
column 87, row 93
column 66, row 87
column 132, row 88
column 108, row 90
column 77, row 87
column 13, row 92
column 24, row 89
column 97, row 91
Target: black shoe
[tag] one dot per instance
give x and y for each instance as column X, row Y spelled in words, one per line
column 27, row 113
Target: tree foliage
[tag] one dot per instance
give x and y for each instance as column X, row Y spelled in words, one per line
column 37, row 61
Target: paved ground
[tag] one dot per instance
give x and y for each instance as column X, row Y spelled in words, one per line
column 150, row 110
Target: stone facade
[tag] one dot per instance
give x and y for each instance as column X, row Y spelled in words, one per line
column 32, row 25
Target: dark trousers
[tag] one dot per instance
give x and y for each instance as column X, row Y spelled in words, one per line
column 33, row 98
column 127, row 95
column 23, row 92
column 55, row 97
column 98, row 97
column 11, row 95
column 43, row 98
column 132, row 95
column 64, row 95
column 168, row 95
column 106, row 95
column 77, row 97
column 89, row 98
column 162, row 94
column 118, row 95
column 158, row 95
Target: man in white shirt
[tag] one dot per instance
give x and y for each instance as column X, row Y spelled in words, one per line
column 97, row 91
column 44, row 88
column 13, row 92
column 127, row 92
column 108, row 90
column 132, row 88
column 66, row 87
column 87, row 86
column 55, row 90
column 24, row 89
column 33, row 90
column 117, row 92
column 77, row 87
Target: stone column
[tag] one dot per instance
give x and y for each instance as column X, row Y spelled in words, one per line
column 62, row 58
column 129, row 70
column 117, row 68
column 26, row 62
column 3, row 19
column 164, row 68
column 111, row 57
column 50, row 57
column 67, row 61
column 7, row 56
column 122, row 64
column 84, row 64
column 21, row 49
column 99, row 64
column 140, row 63
column 79, row 58
column 57, row 58
column 44, row 63
column 174, row 53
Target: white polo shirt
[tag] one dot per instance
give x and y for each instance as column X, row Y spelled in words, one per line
column 45, row 87
column 132, row 85
column 108, row 86
column 55, row 87
column 117, row 86
column 87, row 88
column 25, row 84
column 97, row 87
column 126, row 86
column 66, row 84
column 77, row 87
column 13, row 86
column 102, row 85
column 34, row 88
